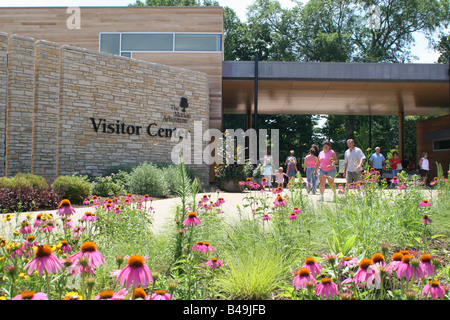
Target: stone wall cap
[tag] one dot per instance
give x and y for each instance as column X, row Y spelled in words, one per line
column 19, row 37
column 48, row 43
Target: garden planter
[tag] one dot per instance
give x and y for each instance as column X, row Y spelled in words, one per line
column 230, row 186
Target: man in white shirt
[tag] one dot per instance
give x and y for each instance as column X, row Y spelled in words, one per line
column 354, row 160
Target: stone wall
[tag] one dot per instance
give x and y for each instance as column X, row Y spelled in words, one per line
column 3, row 73
column 71, row 110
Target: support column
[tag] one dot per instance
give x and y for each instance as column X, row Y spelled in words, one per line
column 401, row 128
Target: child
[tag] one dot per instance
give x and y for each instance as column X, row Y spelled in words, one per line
column 268, row 172
column 280, row 177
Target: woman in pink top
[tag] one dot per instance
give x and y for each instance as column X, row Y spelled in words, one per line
column 309, row 167
column 326, row 166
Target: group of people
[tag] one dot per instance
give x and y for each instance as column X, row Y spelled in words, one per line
column 320, row 166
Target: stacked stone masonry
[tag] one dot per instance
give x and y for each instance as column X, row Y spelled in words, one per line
column 66, row 110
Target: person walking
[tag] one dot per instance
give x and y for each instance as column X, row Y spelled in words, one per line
column 309, row 167
column 377, row 161
column 424, row 167
column 292, row 169
column 326, row 167
column 396, row 166
column 354, row 159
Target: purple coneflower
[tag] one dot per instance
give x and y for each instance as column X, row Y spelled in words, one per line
column 363, row 272
column 434, row 289
column 89, row 252
column 302, row 277
column 25, row 228
column 86, row 202
column 146, row 197
column 279, row 201
column 30, row 295
column 65, row 208
column 266, row 217
column 326, row 288
column 192, row 220
column 313, row 266
column 89, row 216
column 395, row 180
column 378, row 258
column 426, row 265
column 293, row 216
column 214, row 263
column 44, row 260
column 263, row 181
column 409, row 267
column 426, row 220
column 111, row 295
column 425, row 203
column 161, row 295
column 136, row 272
column 204, row 198
column 348, row 261
column 65, row 247
column 296, row 210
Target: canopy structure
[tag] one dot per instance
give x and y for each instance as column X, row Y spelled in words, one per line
column 336, row 88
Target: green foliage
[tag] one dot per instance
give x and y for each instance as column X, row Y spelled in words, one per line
column 21, row 181
column 107, row 187
column 149, row 179
column 75, row 188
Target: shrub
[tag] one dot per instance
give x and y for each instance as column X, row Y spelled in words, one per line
column 107, row 187
column 22, row 180
column 74, row 188
column 148, row 179
column 27, row 199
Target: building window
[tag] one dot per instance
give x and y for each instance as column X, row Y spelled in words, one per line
column 439, row 145
column 147, row 42
column 198, row 42
column 125, row 44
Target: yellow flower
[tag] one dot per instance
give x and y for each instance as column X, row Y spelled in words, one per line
column 24, row 276
column 7, row 217
column 72, row 296
column 2, row 298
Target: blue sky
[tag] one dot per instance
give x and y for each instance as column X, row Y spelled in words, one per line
column 239, row 6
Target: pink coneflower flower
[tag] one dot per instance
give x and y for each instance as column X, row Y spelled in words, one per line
column 395, row 180
column 136, row 272
column 263, row 181
column 111, row 295
column 242, row 183
column 30, row 295
column 434, row 289
column 426, row 265
column 341, row 189
column 86, row 202
column 402, row 186
column 378, row 258
column 348, row 262
column 146, row 197
column 214, row 263
column 65, row 247
column 326, row 288
column 363, row 272
column 408, row 267
column 249, row 182
column 38, row 220
column 279, row 201
column 44, row 260
column 47, row 226
column 425, row 203
column 89, row 252
column 89, row 216
column 109, row 207
column 426, row 220
column 65, row 208
column 303, row 276
column 204, row 198
column 117, row 209
column 266, row 217
column 395, row 262
column 68, row 224
column 192, row 220
column 255, row 186
column 206, row 247
column 293, row 216
column 313, row 266
column 25, row 228
column 161, row 295
column 198, row 246
column 277, row 190
column 296, row 210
